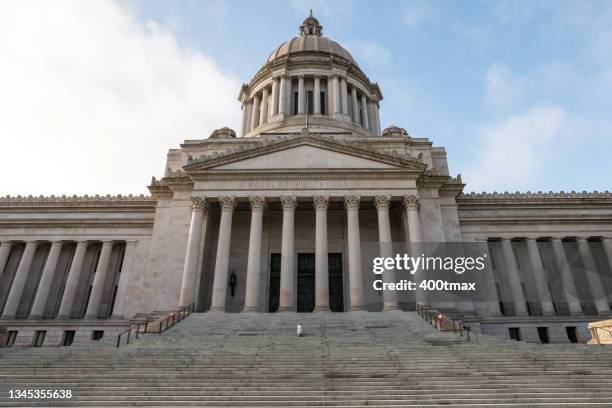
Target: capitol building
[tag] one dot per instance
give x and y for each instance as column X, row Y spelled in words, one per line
column 285, row 215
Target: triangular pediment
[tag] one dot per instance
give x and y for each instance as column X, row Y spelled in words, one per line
column 305, row 153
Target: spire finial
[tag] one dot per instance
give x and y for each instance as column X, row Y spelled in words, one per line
column 310, row 13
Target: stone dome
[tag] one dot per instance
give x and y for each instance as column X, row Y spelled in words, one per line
column 311, row 39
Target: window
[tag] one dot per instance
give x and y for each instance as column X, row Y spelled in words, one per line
column 543, row 335
column 97, row 335
column 571, row 334
column 10, row 340
column 68, row 337
column 309, row 102
column 515, row 333
column 323, row 107
column 295, row 103
column 39, row 338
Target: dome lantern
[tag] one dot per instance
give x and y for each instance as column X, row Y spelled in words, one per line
column 311, row 26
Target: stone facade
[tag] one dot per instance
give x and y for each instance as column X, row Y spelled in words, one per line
column 289, row 217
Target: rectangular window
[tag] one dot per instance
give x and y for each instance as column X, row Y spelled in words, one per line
column 39, row 338
column 10, row 340
column 295, row 103
column 68, row 337
column 323, row 107
column 572, row 336
column 97, row 335
column 543, row 335
column 309, row 102
column 515, row 333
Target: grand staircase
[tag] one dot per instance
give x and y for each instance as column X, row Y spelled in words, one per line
column 391, row 359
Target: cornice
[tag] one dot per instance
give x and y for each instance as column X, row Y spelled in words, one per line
column 76, row 199
column 308, row 175
column 550, row 194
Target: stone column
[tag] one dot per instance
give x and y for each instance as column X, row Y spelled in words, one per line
column 282, row 97
column 72, row 282
column 5, row 251
column 244, row 116
column 321, row 257
column 386, row 248
column 317, row 95
column 95, row 299
column 19, row 282
column 364, row 111
column 518, row 297
column 124, row 280
column 567, row 278
column 248, row 114
column 199, row 209
column 344, row 93
column 377, row 112
column 607, row 245
column 354, row 252
column 301, row 96
column 287, row 275
column 251, row 300
column 46, row 279
column 223, row 251
column 336, row 86
column 289, row 95
column 355, row 105
column 540, row 278
column 415, row 232
column 275, row 96
column 263, row 112
column 255, row 113
column 593, row 278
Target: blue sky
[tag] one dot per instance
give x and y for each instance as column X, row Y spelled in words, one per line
column 519, row 93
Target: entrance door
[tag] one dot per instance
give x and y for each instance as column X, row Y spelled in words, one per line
column 336, row 292
column 306, row 283
column 275, row 262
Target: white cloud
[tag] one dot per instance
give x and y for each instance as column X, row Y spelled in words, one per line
column 514, row 152
column 91, row 98
column 415, row 12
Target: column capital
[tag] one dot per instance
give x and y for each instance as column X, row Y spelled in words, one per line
column 227, row 203
column 581, row 239
column 556, row 239
column 199, row 203
column 131, row 241
column 289, row 202
column 107, row 241
column 321, row 202
column 57, row 242
column 505, row 239
column 411, row 202
column 300, row 76
column 604, row 239
column 382, row 201
column 257, row 202
column 82, row 242
column 351, row 202
column 31, row 243
column 531, row 239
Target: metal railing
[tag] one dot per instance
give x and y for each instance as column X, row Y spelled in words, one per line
column 158, row 326
column 438, row 320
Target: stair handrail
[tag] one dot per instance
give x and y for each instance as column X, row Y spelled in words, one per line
column 435, row 318
column 173, row 318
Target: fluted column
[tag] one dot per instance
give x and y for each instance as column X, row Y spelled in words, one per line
column 364, row 112
column 355, row 105
column 354, row 252
column 317, row 95
column 282, row 97
column 124, row 280
column 199, row 210
column 287, row 275
column 344, row 94
column 301, row 96
column 19, row 282
column 95, row 299
column 336, row 87
column 255, row 113
column 377, row 115
column 415, row 232
column 72, row 281
column 263, row 112
column 386, row 248
column 569, row 286
column 593, row 277
column 518, row 297
column 248, row 114
column 5, row 251
column 540, row 278
column 46, row 279
column 274, row 109
column 223, row 251
column 321, row 257
column 243, row 119
column 251, row 300
column 607, row 245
